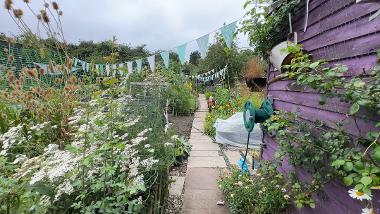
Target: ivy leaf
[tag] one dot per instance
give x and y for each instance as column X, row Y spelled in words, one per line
column 338, row 163
column 348, row 166
column 366, row 180
column 359, row 186
column 376, row 155
column 314, row 65
column 312, row 205
column 359, row 84
column 354, row 108
column 348, row 180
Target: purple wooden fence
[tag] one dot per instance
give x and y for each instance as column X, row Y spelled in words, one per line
column 338, row 31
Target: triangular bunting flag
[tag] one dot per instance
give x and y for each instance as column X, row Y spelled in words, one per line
column 181, row 50
column 84, row 66
column 228, row 33
column 165, row 57
column 121, row 67
column 130, row 67
column 108, row 70
column 203, row 45
column 152, row 63
column 139, row 64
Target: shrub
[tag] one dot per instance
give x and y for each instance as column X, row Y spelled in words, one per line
column 264, row 193
column 182, row 99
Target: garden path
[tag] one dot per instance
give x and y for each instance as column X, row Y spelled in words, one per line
column 205, row 161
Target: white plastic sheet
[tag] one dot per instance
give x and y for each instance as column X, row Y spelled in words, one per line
column 232, row 132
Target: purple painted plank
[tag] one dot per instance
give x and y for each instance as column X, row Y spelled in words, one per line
column 330, row 118
column 312, row 100
column 356, row 29
column 355, row 65
column 343, row 17
column 299, row 15
column 357, row 47
column 324, row 10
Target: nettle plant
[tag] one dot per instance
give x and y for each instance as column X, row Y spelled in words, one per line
column 312, row 145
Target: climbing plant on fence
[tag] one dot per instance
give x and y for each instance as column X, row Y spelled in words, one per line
column 324, row 152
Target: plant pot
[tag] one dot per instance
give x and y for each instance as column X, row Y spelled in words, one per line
column 279, row 55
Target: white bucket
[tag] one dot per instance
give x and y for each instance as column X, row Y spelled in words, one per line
column 279, row 53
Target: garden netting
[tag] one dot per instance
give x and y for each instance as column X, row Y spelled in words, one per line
column 232, row 132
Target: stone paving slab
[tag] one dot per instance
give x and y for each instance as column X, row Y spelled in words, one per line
column 200, row 114
column 203, row 200
column 203, row 147
column 233, row 157
column 177, row 186
column 202, row 178
column 205, row 140
column 201, row 189
column 204, row 153
column 211, row 162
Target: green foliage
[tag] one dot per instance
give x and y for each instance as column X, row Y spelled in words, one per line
column 264, row 193
column 227, row 105
column 332, row 153
column 182, row 98
column 267, row 26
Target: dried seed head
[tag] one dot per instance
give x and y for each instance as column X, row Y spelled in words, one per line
column 5, row 49
column 8, row 4
column 55, row 5
column 72, row 80
column 10, row 76
column 32, row 73
column 51, row 66
column 39, row 17
column 26, row 1
column 36, row 91
column 41, row 71
column 18, row 13
column 60, row 13
column 46, row 5
column 45, row 16
column 11, row 58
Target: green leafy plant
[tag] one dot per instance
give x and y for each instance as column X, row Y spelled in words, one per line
column 264, row 192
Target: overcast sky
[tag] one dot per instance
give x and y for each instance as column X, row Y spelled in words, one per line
column 160, row 24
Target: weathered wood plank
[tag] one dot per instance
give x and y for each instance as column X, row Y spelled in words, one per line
column 342, row 18
column 356, row 29
column 312, row 100
column 324, row 10
column 299, row 16
column 354, row 126
column 365, row 45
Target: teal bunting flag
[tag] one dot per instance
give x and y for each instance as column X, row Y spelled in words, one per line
column 152, row 63
column 203, row 45
column 75, row 61
column 165, row 57
column 139, row 65
column 84, row 66
column 228, row 33
column 101, row 69
column 130, row 67
column 181, row 51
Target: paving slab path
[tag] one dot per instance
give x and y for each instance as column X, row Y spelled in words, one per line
column 203, row 169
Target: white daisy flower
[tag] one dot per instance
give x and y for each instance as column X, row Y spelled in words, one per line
column 359, row 195
column 368, row 211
